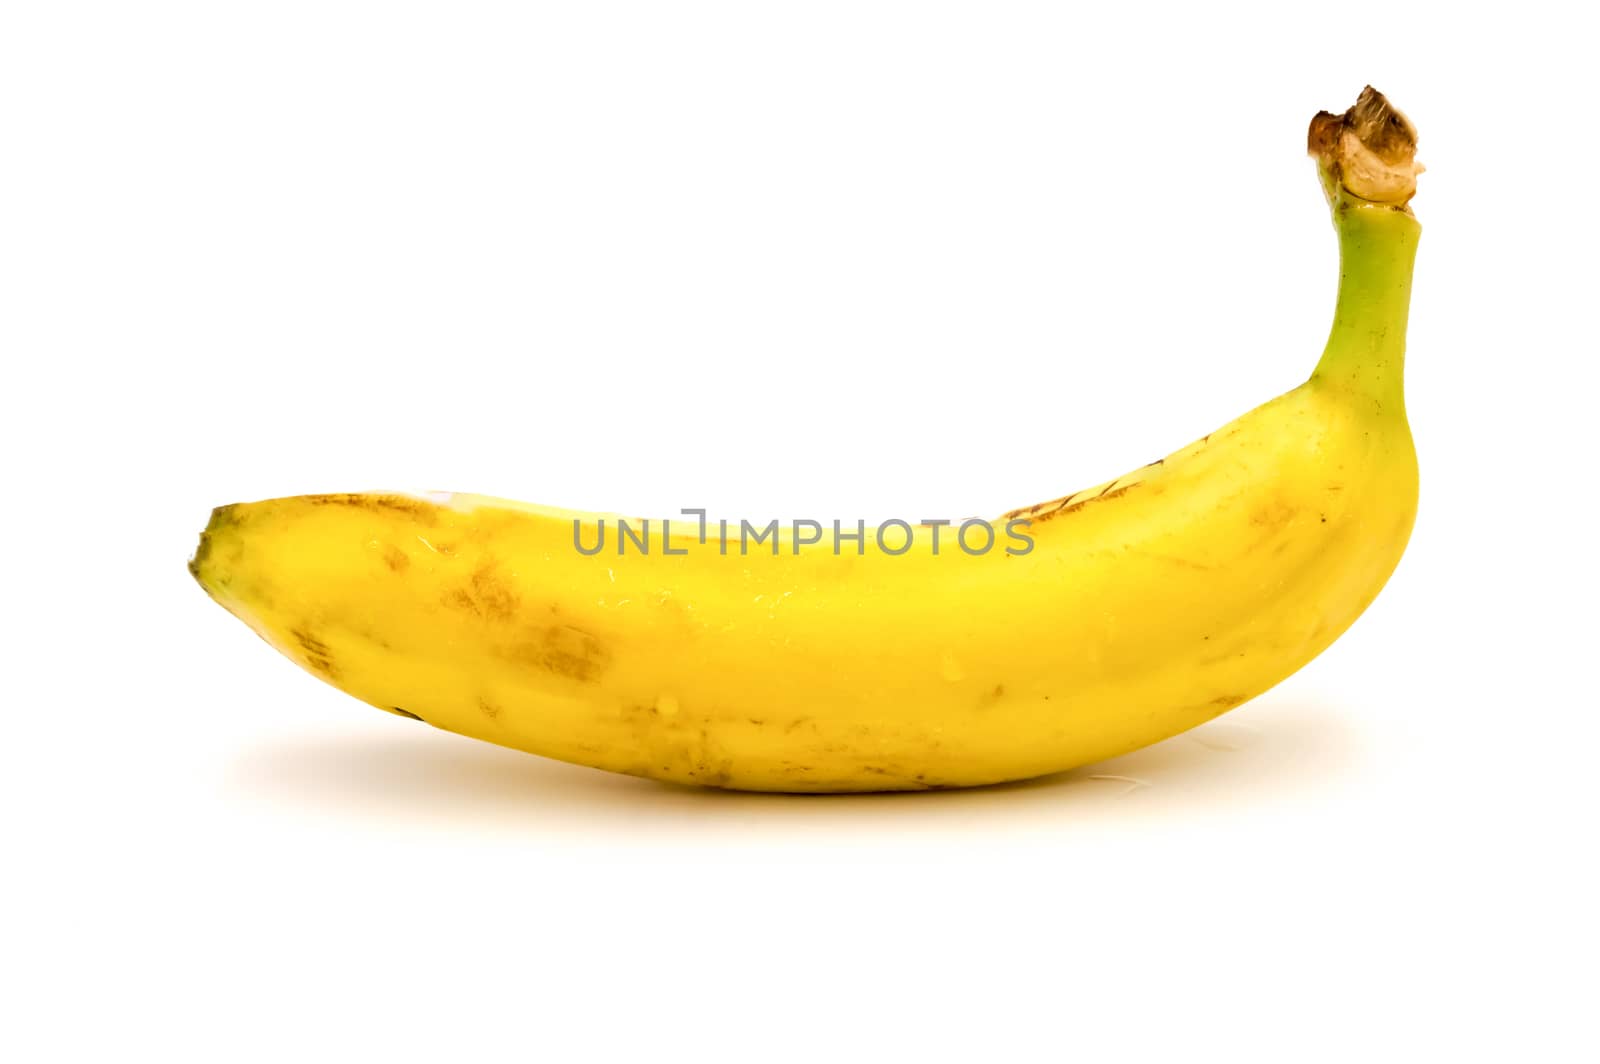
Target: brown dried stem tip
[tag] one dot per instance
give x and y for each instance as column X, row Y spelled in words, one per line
column 1369, row 151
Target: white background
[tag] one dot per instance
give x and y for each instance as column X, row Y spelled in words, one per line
column 856, row 259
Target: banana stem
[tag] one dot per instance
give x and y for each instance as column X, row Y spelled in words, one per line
column 1367, row 161
column 1367, row 346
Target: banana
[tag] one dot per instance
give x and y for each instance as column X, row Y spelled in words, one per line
column 1089, row 626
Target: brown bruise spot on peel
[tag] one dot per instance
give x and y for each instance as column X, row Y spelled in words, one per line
column 1370, row 151
column 713, row 773
column 396, row 559
column 895, row 781
column 317, row 656
column 1171, row 559
column 486, row 594
column 492, row 593
column 488, row 708
column 417, row 508
column 1066, row 504
column 1273, row 514
column 316, row 653
column 685, row 749
column 1045, row 511
column 991, row 696
column 1228, row 701
column 563, row 650
column 680, row 752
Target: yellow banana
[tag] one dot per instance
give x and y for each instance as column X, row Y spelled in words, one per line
column 804, row 661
